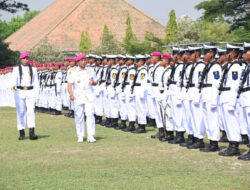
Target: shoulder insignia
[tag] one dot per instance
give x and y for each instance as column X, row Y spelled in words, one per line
column 123, row 75
column 142, row 75
column 114, row 75
column 132, row 77
column 216, row 75
column 235, row 75
column 200, row 74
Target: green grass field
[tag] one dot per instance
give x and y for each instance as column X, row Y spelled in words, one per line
column 117, row 161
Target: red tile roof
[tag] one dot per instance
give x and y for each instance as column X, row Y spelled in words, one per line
column 64, row 20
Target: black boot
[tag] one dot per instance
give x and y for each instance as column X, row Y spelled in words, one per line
column 245, row 139
column 108, row 123
column 198, row 144
column 22, row 134
column 114, row 123
column 153, row 123
column 130, row 128
column 72, row 115
column 102, row 123
column 148, row 121
column 169, row 136
column 98, row 119
column 232, row 150
column 122, row 125
column 245, row 157
column 32, row 134
column 141, row 129
column 179, row 138
column 224, row 137
column 212, row 147
column 159, row 135
column 188, row 142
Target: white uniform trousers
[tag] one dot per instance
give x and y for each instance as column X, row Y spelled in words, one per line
column 65, row 95
column 106, row 103
column 130, row 102
column 159, row 113
column 197, row 117
column 99, row 104
column 232, row 127
column 79, row 110
column 177, row 111
column 246, row 113
column 141, row 109
column 122, row 107
column 25, row 109
column 241, row 120
column 114, row 107
column 210, row 118
column 58, row 102
column 150, row 107
column 187, row 121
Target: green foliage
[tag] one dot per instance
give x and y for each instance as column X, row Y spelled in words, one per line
column 13, row 6
column 215, row 32
column 241, row 35
column 187, row 30
column 171, row 29
column 236, row 12
column 85, row 43
column 45, row 53
column 7, row 56
column 130, row 39
column 6, row 29
column 109, row 44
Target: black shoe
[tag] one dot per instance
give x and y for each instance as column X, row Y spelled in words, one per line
column 188, row 142
column 141, row 129
column 212, row 147
column 32, row 134
column 108, row 122
column 169, row 136
column 245, row 139
column 160, row 134
column 22, row 135
column 114, row 123
column 198, row 144
column 130, row 128
column 178, row 139
column 98, row 119
column 72, row 115
column 224, row 137
column 232, row 150
column 245, row 157
column 122, row 125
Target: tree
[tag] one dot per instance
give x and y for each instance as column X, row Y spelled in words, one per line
column 130, row 39
column 15, row 24
column 187, row 30
column 214, row 32
column 171, row 28
column 45, row 53
column 109, row 44
column 7, row 56
column 85, row 43
column 12, row 6
column 236, row 12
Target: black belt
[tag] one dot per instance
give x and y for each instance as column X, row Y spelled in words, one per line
column 137, row 84
column 225, row 88
column 245, row 89
column 108, row 83
column 148, row 81
column 65, row 82
column 155, row 84
column 126, row 83
column 206, row 85
column 102, row 81
column 117, row 84
column 191, row 85
column 172, row 82
column 25, row 88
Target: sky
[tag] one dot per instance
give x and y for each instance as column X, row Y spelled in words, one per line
column 158, row 9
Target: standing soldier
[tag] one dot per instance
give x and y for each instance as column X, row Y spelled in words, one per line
column 25, row 84
column 229, row 87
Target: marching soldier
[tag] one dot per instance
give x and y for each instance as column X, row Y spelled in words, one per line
column 25, row 84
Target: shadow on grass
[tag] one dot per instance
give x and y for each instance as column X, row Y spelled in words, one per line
column 43, row 136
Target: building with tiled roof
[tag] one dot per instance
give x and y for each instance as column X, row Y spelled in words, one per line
column 64, row 20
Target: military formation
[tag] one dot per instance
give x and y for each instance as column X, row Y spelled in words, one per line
column 198, row 91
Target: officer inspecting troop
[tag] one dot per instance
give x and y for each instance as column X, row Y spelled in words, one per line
column 196, row 91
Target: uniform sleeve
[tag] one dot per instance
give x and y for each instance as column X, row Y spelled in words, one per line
column 58, row 81
column 217, row 74
column 14, row 77
column 71, row 78
column 235, row 83
column 36, row 83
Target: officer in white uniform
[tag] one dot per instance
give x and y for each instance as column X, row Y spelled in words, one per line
column 244, row 94
column 139, row 90
column 25, row 84
column 209, row 97
column 228, row 96
column 80, row 88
